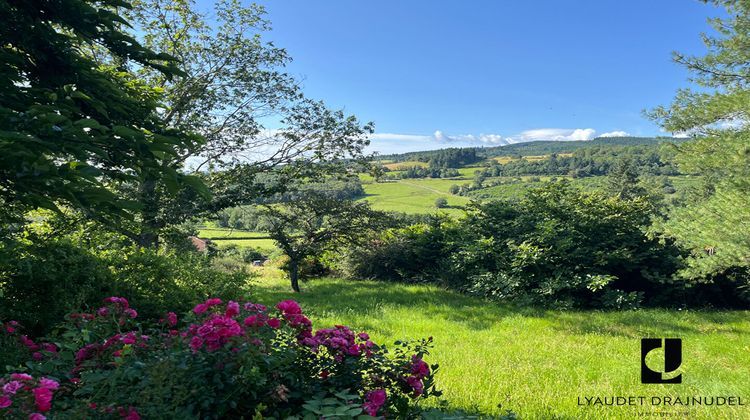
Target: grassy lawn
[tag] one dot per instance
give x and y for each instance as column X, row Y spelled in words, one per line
column 537, row 362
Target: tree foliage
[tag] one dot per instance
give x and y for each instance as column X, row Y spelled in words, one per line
column 234, row 84
column 71, row 127
column 715, row 226
column 306, row 228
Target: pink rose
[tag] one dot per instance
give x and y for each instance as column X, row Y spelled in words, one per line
column 21, row 376
column 274, row 323
column 419, row 368
column 289, row 307
column 49, row 384
column 196, row 343
column 213, row 302
column 132, row 414
column 172, row 319
column 12, row 387
column 42, row 399
column 373, row 401
column 5, row 401
column 233, row 309
column 416, row 384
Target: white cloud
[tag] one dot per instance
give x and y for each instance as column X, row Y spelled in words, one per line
column 555, row 134
column 400, row 143
column 490, row 139
column 615, row 134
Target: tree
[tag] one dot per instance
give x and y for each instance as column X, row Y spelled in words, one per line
column 623, row 179
column 71, row 127
column 441, row 203
column 232, row 81
column 308, row 227
column 716, row 116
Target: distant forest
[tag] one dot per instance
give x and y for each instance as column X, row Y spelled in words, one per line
column 463, row 156
column 598, row 157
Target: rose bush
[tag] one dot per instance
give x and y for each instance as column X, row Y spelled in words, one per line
column 221, row 360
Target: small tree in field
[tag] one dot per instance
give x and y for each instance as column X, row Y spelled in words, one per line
column 441, row 202
column 308, row 227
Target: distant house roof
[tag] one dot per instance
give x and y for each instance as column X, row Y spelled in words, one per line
column 200, row 244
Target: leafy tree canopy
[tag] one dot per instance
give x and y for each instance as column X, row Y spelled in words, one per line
column 70, row 127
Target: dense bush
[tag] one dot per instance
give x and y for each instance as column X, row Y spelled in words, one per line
column 42, row 278
column 414, row 253
column 557, row 246
column 40, row 281
column 562, row 246
column 158, row 280
column 218, row 361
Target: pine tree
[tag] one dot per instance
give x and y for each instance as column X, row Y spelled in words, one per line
column 717, row 227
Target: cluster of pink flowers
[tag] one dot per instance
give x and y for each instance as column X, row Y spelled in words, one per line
column 103, row 352
column 129, row 413
column 23, row 394
column 215, row 326
column 116, row 307
column 214, row 333
column 417, row 372
column 121, row 306
column 9, row 327
column 340, row 341
column 203, row 307
column 217, row 329
column 38, row 350
column 292, row 314
column 113, row 344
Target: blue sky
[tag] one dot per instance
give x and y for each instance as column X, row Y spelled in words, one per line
column 434, row 74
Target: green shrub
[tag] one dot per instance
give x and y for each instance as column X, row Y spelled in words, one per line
column 157, row 281
column 411, row 254
column 42, row 277
column 42, row 280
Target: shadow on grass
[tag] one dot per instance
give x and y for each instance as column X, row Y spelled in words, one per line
column 651, row 322
column 335, row 297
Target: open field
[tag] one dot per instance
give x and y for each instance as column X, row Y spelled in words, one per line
column 241, row 238
column 538, row 362
column 413, row 195
column 531, row 158
column 403, row 165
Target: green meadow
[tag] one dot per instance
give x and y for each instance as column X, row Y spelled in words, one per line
column 537, row 363
column 413, row 195
column 223, row 237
